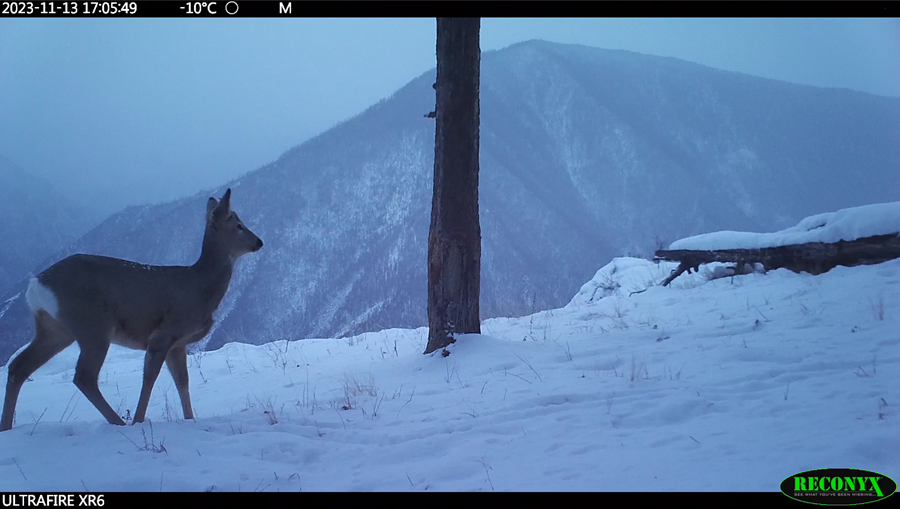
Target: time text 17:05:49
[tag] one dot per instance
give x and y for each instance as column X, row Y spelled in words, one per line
column 64, row 8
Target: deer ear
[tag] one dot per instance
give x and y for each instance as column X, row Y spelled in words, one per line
column 225, row 202
column 211, row 206
column 223, row 208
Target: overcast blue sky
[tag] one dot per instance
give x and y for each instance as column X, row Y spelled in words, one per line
column 140, row 110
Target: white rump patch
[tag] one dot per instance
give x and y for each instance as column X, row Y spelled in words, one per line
column 40, row 297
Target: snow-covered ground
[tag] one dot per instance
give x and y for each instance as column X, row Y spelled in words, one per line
column 729, row 384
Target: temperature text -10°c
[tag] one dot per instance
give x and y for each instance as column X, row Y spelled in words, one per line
column 200, row 7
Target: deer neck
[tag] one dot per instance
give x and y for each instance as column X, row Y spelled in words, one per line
column 214, row 268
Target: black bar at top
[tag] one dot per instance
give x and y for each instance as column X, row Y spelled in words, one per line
column 318, row 8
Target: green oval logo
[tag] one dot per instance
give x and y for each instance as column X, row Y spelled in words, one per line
column 838, row 486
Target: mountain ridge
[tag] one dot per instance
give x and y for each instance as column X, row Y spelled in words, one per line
column 37, row 220
column 586, row 154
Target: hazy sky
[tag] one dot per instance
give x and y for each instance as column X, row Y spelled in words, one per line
column 124, row 111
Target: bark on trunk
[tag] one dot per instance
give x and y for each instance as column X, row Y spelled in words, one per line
column 454, row 240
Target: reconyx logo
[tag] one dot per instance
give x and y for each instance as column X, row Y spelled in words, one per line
column 838, row 486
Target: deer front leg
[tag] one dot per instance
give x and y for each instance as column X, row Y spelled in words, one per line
column 176, row 360
column 158, row 345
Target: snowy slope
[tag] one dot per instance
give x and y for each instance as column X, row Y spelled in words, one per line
column 745, row 380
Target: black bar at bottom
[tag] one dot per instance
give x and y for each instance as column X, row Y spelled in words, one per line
column 330, row 499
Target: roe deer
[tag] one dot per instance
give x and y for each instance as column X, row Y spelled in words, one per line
column 96, row 300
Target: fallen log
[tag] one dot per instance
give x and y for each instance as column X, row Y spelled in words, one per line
column 813, row 257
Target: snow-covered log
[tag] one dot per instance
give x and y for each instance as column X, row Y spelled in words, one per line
column 856, row 236
column 812, row 257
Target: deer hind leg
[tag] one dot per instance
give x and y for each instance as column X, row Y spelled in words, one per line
column 50, row 338
column 158, row 345
column 176, row 361
column 94, row 345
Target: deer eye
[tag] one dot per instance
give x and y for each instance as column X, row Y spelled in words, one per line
column 240, row 227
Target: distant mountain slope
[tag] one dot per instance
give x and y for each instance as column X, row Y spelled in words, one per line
column 35, row 221
column 586, row 154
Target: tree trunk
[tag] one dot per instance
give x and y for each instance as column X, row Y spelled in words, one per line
column 454, row 240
